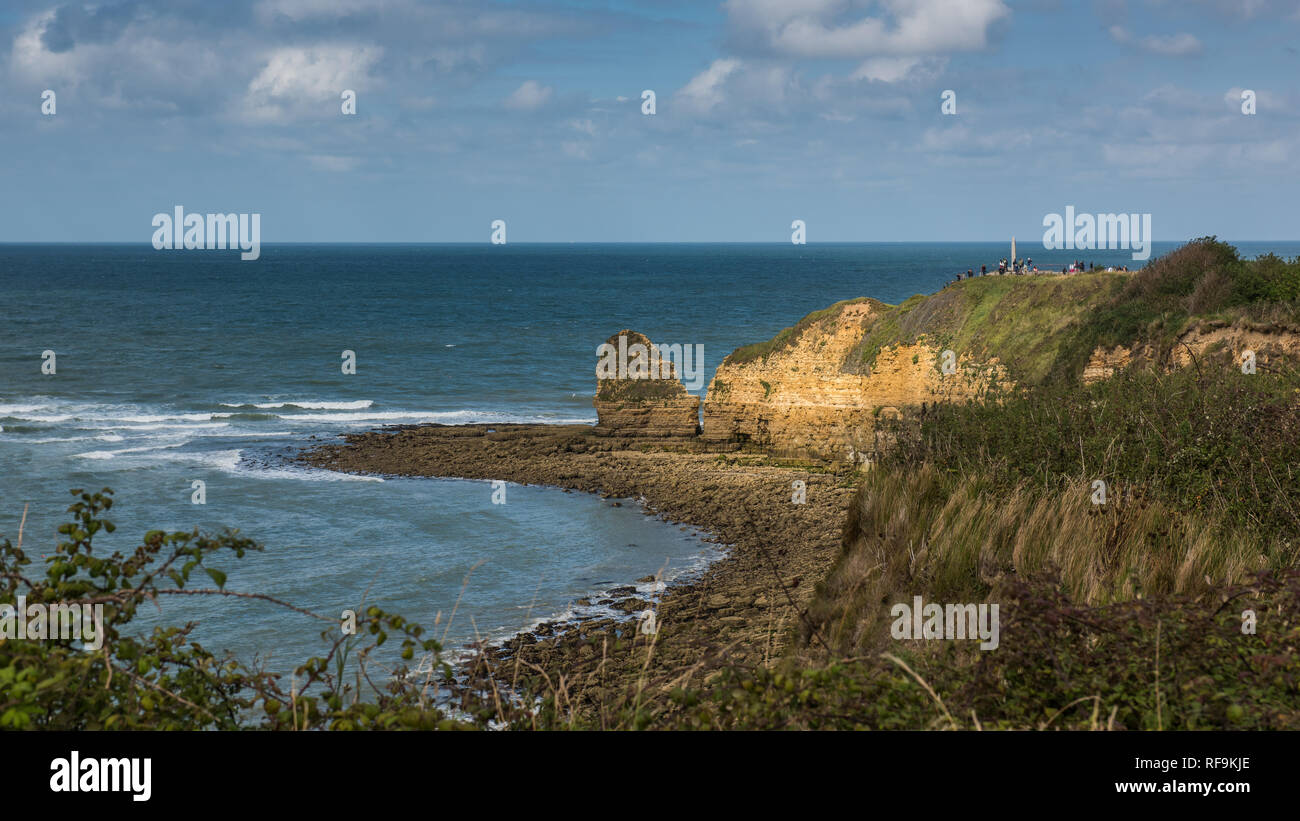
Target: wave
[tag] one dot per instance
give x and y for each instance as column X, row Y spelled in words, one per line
column 104, row 437
column 164, row 426
column 57, row 421
column 62, row 417
column 360, row 404
column 306, row 474
column 378, row 416
column 117, row 418
column 246, row 416
column 458, row 417
column 113, row 454
column 232, row 461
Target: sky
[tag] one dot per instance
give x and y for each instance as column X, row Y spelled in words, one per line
column 766, row 111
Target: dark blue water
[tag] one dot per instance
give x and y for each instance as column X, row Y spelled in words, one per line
column 192, row 365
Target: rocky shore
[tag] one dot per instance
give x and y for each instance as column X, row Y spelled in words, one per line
column 743, row 609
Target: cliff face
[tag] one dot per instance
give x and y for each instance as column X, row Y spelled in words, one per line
column 638, row 394
column 797, row 399
column 1216, row 342
column 1269, row 345
column 818, row 389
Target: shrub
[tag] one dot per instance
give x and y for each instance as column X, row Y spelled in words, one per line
column 164, row 680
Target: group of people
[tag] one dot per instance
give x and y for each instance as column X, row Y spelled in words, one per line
column 1026, row 266
column 1018, row 266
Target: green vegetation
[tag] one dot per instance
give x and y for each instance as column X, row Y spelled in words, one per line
column 1204, row 283
column 1122, row 615
column 1122, row 612
column 1044, row 327
column 164, row 680
column 1145, row 664
column 1023, row 321
column 1202, row 479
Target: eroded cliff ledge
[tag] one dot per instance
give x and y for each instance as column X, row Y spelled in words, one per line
column 1208, row 342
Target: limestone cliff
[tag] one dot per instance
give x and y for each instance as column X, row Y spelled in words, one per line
column 638, row 392
column 818, row 389
column 798, row 398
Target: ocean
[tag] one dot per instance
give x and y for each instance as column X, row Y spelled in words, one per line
column 177, row 366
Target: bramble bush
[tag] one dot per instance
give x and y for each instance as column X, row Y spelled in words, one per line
column 165, row 680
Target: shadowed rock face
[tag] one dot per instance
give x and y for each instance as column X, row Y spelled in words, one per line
column 638, row 393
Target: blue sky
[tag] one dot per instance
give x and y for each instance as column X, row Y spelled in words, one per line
column 767, row 111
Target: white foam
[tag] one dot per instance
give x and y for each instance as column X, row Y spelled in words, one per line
column 444, row 417
column 153, row 418
column 164, row 426
column 379, row 416
column 307, row 475
column 305, row 404
column 224, row 460
column 251, row 434
column 61, row 417
column 112, row 454
column 106, row 437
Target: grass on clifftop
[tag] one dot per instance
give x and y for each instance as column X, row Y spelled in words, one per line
column 1023, row 321
column 1045, row 326
column 1204, row 282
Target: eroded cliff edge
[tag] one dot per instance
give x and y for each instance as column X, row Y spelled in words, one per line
column 819, row 388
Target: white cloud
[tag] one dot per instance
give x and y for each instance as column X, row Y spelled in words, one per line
column 332, row 162
column 299, row 10
column 823, row 29
column 704, row 90
column 886, row 69
column 1165, row 45
column 301, row 81
column 1172, row 45
column 576, row 150
column 529, row 96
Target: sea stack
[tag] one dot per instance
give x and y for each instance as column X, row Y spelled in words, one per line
column 638, row 392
